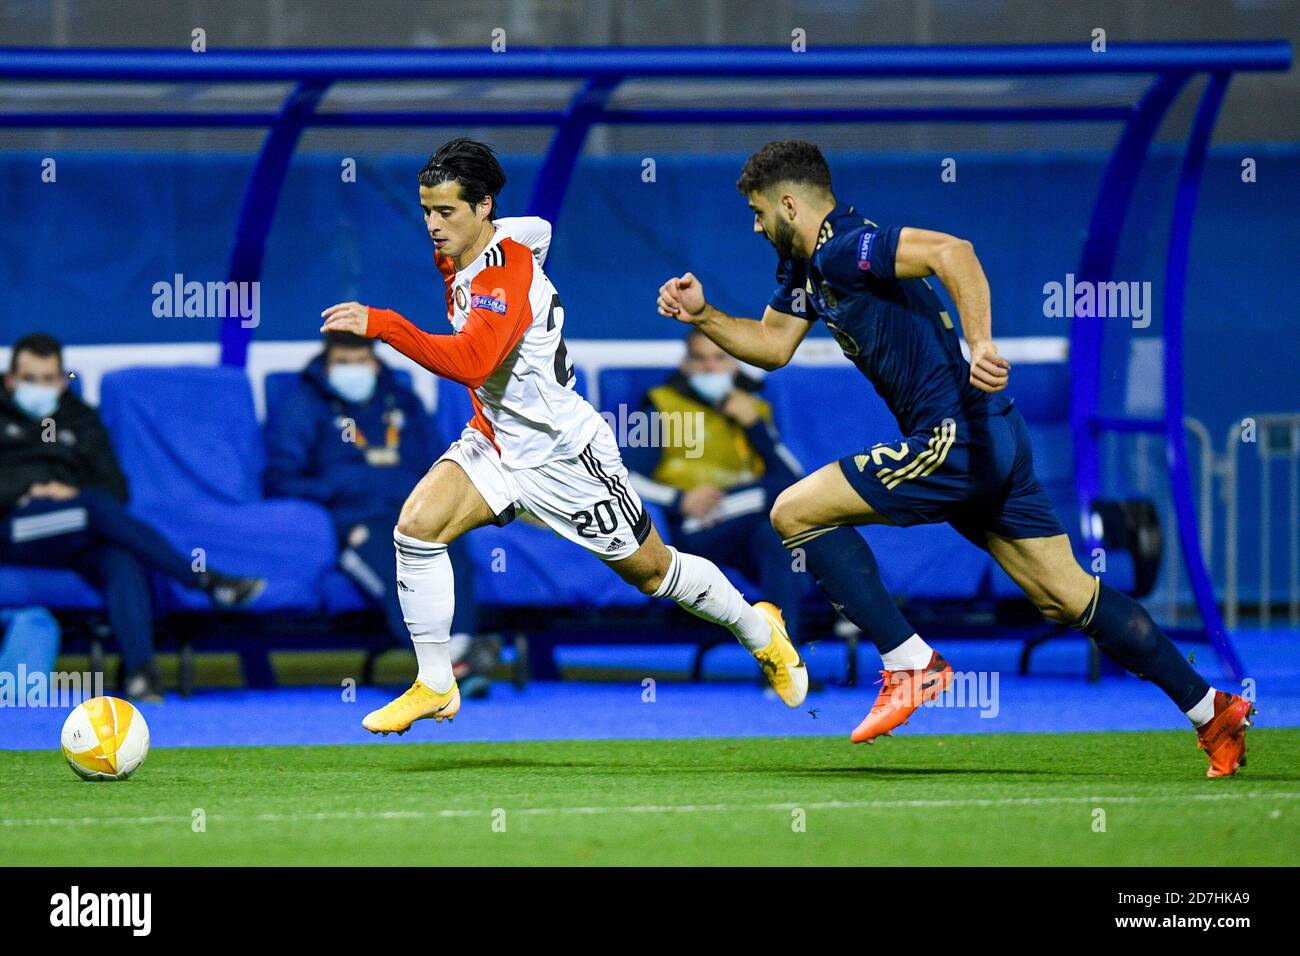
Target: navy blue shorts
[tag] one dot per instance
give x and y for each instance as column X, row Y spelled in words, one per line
column 976, row 474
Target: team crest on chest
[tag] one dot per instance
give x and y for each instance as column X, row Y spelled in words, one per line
column 461, row 301
column 848, row 345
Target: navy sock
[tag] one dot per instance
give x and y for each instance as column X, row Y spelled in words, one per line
column 845, row 569
column 1125, row 633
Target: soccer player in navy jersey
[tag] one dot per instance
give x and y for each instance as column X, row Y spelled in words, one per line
column 963, row 455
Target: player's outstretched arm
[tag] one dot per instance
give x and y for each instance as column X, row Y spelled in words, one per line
column 469, row 357
column 768, row 343
column 922, row 252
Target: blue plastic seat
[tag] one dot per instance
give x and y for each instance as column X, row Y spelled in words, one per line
column 57, row 589
column 626, row 387
column 193, row 454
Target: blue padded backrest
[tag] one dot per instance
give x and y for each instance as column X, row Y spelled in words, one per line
column 276, row 386
column 453, row 411
column 1041, row 391
column 827, row 413
column 184, row 433
column 580, row 382
column 627, row 386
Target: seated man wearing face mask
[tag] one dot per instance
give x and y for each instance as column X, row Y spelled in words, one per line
column 718, row 483
column 63, row 505
column 353, row 438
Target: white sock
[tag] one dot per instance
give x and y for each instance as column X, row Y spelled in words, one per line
column 435, row 665
column 911, row 655
column 426, row 591
column 1203, row 712
column 698, row 586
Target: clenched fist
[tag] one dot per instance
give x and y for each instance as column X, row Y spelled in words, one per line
column 682, row 299
column 988, row 370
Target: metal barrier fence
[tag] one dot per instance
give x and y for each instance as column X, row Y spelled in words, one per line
column 1267, row 428
column 1275, row 437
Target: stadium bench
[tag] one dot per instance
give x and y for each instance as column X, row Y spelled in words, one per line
column 626, row 387
column 192, row 450
column 58, row 590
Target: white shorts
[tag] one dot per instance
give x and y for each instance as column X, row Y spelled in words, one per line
column 586, row 499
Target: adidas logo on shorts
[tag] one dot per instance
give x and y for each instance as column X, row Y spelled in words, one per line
column 615, row 545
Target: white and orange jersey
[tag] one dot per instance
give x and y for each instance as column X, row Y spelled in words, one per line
column 507, row 348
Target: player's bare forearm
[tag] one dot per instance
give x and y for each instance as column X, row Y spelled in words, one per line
column 767, row 343
column 747, row 339
column 963, row 276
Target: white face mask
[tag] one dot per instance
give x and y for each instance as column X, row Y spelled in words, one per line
column 354, row 382
column 712, row 385
column 38, row 401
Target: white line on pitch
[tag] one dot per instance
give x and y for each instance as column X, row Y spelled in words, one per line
column 656, row 808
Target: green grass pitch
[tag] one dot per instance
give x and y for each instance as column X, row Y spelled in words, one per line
column 965, row 800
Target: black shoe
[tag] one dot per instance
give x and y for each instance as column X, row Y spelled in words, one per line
column 144, row 685
column 230, row 592
column 473, row 672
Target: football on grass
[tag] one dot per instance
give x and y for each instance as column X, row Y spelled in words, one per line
column 105, row 739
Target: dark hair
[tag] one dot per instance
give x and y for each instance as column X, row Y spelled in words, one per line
column 785, row 161
column 470, row 163
column 38, row 344
column 347, row 340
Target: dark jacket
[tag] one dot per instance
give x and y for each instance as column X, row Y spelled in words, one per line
column 79, row 455
column 361, row 480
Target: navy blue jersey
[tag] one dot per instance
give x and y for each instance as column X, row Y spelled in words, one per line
column 895, row 331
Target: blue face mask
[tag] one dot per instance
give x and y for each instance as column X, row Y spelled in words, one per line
column 714, row 386
column 353, row 382
column 38, row 401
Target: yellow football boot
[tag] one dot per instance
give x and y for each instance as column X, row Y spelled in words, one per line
column 787, row 674
column 418, row 703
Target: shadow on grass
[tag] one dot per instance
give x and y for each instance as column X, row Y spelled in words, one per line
column 877, row 771
column 503, row 763
column 785, row 772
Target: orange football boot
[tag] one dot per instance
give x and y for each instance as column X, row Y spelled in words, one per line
column 1224, row 738
column 901, row 693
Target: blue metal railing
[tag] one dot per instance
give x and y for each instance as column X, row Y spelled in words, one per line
column 624, row 62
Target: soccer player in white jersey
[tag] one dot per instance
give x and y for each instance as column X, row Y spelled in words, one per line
column 534, row 444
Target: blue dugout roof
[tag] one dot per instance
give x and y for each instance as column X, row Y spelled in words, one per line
column 1148, row 77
